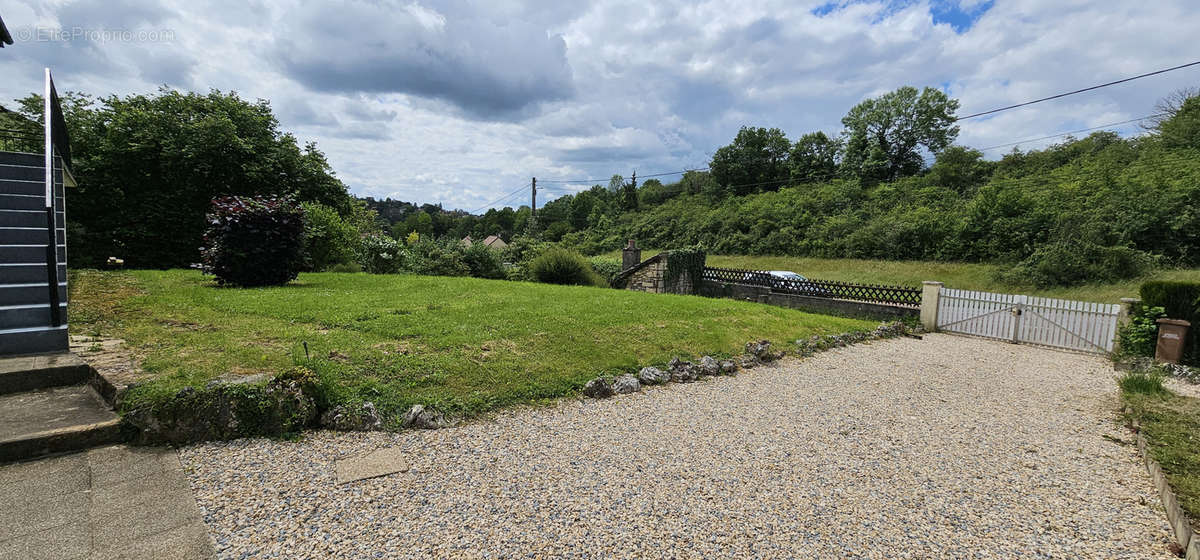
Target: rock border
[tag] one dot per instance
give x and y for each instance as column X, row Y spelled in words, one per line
column 756, row 353
column 1181, row 525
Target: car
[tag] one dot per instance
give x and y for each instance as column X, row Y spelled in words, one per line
column 788, row 281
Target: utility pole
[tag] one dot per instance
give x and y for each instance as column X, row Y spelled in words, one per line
column 533, row 206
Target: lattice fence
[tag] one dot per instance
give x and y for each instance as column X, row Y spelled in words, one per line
column 873, row 293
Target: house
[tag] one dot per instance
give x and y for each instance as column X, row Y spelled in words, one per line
column 466, row 241
column 494, row 242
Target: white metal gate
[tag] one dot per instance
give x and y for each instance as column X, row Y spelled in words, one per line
column 1074, row 325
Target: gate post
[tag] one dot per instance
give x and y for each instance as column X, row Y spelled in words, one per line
column 930, row 293
column 1017, row 311
column 1127, row 307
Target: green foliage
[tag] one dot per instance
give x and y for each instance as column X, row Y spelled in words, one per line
column 254, row 241
column 1139, row 336
column 685, row 262
column 562, row 266
column 756, row 161
column 483, row 262
column 885, row 134
column 1182, row 129
column 1065, row 263
column 150, row 164
column 380, row 254
column 440, row 258
column 607, row 267
column 815, row 158
column 1142, row 382
column 328, row 239
column 1179, row 300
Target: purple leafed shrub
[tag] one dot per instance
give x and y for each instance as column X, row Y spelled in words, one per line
column 254, row 241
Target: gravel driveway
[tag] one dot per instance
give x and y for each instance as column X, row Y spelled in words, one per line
column 947, row 447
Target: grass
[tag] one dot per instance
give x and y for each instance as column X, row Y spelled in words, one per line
column 464, row 345
column 965, row 276
column 1171, row 425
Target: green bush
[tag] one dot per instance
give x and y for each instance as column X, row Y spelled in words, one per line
column 353, row 268
column 254, row 241
column 562, row 266
column 1140, row 335
column 379, row 254
column 438, row 258
column 483, row 262
column 1179, row 300
column 607, row 267
column 328, row 240
column 1073, row 263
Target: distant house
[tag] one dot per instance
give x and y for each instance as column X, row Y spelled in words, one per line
column 494, row 242
column 466, row 241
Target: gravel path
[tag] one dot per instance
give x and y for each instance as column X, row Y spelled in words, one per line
column 949, row 447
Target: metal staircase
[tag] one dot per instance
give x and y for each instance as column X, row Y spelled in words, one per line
column 29, row 322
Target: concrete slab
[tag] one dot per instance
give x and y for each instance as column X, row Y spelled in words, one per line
column 380, row 462
column 33, row 412
column 112, row 502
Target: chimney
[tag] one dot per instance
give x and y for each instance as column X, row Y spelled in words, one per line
column 630, row 256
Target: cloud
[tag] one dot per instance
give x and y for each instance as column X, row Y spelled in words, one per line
column 460, row 102
column 488, row 69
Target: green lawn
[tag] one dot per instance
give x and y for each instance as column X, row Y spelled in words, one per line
column 965, row 276
column 463, row 344
column 1171, row 426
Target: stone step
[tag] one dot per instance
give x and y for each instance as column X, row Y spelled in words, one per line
column 28, row 373
column 54, row 420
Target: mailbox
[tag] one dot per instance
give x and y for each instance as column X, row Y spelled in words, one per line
column 1171, row 334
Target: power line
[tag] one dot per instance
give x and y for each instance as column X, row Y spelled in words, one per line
column 1121, row 81
column 1069, row 133
column 603, row 180
column 521, row 189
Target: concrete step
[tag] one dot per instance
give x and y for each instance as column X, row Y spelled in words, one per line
column 54, row 420
column 34, row 292
column 28, row 273
column 33, row 340
column 26, row 218
column 36, row 186
column 19, row 374
column 26, row 201
column 29, row 235
column 28, row 253
column 30, row 315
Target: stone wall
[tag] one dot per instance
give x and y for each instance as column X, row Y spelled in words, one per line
column 651, row 276
column 760, row 294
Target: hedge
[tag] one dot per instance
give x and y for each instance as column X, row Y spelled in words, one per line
column 1181, row 300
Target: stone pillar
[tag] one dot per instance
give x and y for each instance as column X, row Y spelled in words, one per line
column 1127, row 305
column 630, row 256
column 930, row 292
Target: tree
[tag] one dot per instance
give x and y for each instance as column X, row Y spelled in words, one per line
column 149, row 166
column 755, row 161
column 1169, row 106
column 814, row 158
column 884, row 135
column 1182, row 130
column 615, row 183
column 960, row 169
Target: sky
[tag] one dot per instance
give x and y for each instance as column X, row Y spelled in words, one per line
column 461, row 103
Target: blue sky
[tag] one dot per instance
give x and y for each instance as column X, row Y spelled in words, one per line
column 459, row 102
